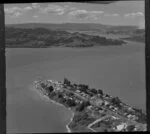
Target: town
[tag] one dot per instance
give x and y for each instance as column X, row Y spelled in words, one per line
column 94, row 110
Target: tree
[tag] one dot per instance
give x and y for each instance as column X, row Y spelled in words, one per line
column 107, row 95
column 50, row 89
column 63, row 100
column 100, row 91
column 130, row 128
column 90, row 94
column 142, row 118
column 82, row 106
column 116, row 101
column 70, row 94
column 67, row 82
column 43, row 85
column 60, row 95
column 94, row 91
column 71, row 103
column 83, row 86
column 52, row 95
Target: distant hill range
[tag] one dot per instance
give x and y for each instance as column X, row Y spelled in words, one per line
column 46, row 35
column 82, row 27
column 140, row 38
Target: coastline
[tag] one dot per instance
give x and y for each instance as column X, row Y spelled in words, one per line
column 54, row 102
column 67, row 126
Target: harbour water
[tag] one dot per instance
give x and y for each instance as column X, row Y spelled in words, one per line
column 118, row 70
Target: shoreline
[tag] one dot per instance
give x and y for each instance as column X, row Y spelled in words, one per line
column 54, row 102
column 67, row 127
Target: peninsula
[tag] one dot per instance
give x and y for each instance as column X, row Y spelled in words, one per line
column 93, row 110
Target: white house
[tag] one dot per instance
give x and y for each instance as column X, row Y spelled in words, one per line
column 106, row 103
column 121, row 126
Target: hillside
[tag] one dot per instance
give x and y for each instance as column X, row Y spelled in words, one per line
column 101, row 28
column 42, row 37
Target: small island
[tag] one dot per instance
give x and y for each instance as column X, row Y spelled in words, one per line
column 93, row 110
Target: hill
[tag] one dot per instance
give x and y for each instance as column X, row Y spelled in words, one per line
column 79, row 27
column 42, row 37
column 136, row 38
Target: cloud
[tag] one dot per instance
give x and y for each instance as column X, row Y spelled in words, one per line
column 16, row 11
column 115, row 14
column 51, row 8
column 16, row 14
column 78, row 12
column 134, row 14
column 102, row 2
column 56, row 9
column 35, row 5
column 35, row 16
column 27, row 8
column 97, row 12
column 111, row 15
column 69, row 10
column 84, row 14
column 11, row 10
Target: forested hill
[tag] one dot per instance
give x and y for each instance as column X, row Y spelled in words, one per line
column 42, row 37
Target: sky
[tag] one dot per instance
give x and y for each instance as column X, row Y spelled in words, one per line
column 117, row 13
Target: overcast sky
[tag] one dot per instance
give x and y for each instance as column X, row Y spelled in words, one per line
column 118, row 13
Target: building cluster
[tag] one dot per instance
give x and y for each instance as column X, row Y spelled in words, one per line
column 100, row 104
column 116, row 124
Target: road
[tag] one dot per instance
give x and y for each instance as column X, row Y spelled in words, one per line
column 98, row 120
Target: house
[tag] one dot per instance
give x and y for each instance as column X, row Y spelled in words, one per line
column 78, row 91
column 65, row 97
column 129, row 116
column 134, row 117
column 114, row 117
column 98, row 102
column 49, row 81
column 89, row 107
column 77, row 101
column 111, row 107
column 115, row 108
column 101, row 111
column 130, row 109
column 121, row 126
column 106, row 103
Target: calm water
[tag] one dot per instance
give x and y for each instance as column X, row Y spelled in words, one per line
column 118, row 70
